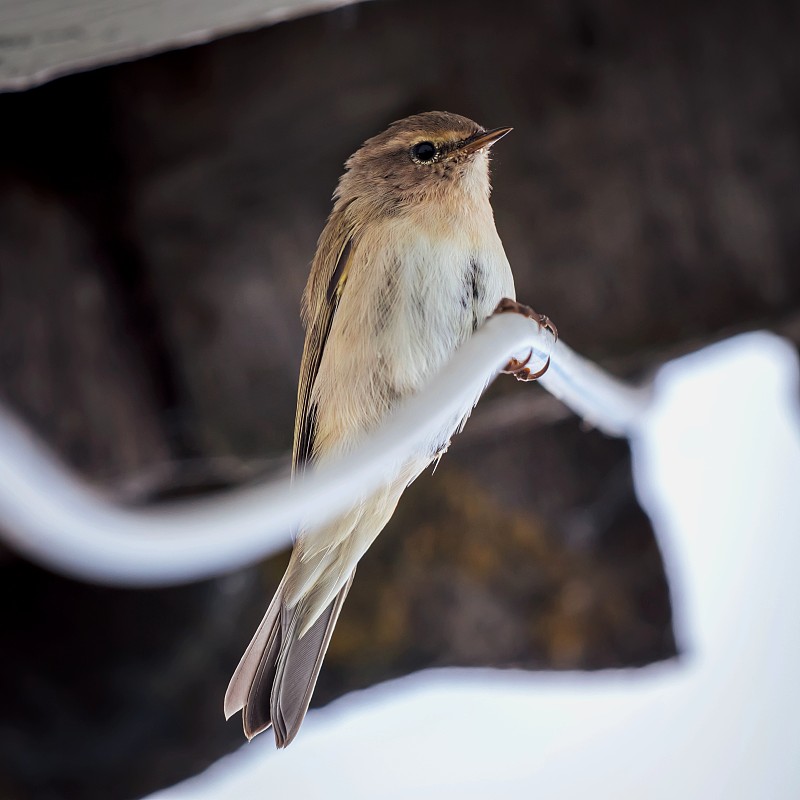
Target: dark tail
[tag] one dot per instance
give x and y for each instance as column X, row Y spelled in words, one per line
column 276, row 676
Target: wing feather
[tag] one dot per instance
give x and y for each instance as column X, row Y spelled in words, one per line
column 320, row 301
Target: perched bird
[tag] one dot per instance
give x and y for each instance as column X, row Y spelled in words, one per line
column 408, row 266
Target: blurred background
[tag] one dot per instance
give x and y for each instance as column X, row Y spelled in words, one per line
column 157, row 219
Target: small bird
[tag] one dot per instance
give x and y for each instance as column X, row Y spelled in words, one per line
column 408, row 265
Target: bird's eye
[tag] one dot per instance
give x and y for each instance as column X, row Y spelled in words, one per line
column 423, row 152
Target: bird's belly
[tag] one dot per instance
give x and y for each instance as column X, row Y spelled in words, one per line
column 445, row 294
column 426, row 303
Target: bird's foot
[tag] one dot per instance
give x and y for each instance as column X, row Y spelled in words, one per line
column 515, row 367
column 507, row 305
column 522, row 372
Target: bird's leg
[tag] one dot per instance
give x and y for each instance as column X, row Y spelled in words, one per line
column 515, row 367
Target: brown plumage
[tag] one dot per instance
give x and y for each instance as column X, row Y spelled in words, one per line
column 408, row 265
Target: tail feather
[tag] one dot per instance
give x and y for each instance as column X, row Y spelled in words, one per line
column 298, row 667
column 244, row 674
column 276, row 676
column 256, row 713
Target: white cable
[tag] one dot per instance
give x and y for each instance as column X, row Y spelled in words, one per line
column 53, row 518
column 611, row 405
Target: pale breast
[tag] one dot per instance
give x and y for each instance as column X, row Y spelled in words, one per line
column 414, row 293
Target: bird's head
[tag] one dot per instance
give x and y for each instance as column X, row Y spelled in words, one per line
column 431, row 156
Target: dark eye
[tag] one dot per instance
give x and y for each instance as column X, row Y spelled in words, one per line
column 423, row 152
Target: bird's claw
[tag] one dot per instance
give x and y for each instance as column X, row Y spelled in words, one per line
column 519, row 369
column 507, row 305
column 522, row 372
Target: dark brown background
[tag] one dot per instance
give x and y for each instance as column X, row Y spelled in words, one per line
column 156, row 223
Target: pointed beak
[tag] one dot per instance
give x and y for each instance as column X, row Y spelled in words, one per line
column 482, row 139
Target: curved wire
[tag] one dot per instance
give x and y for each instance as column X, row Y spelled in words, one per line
column 54, row 518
